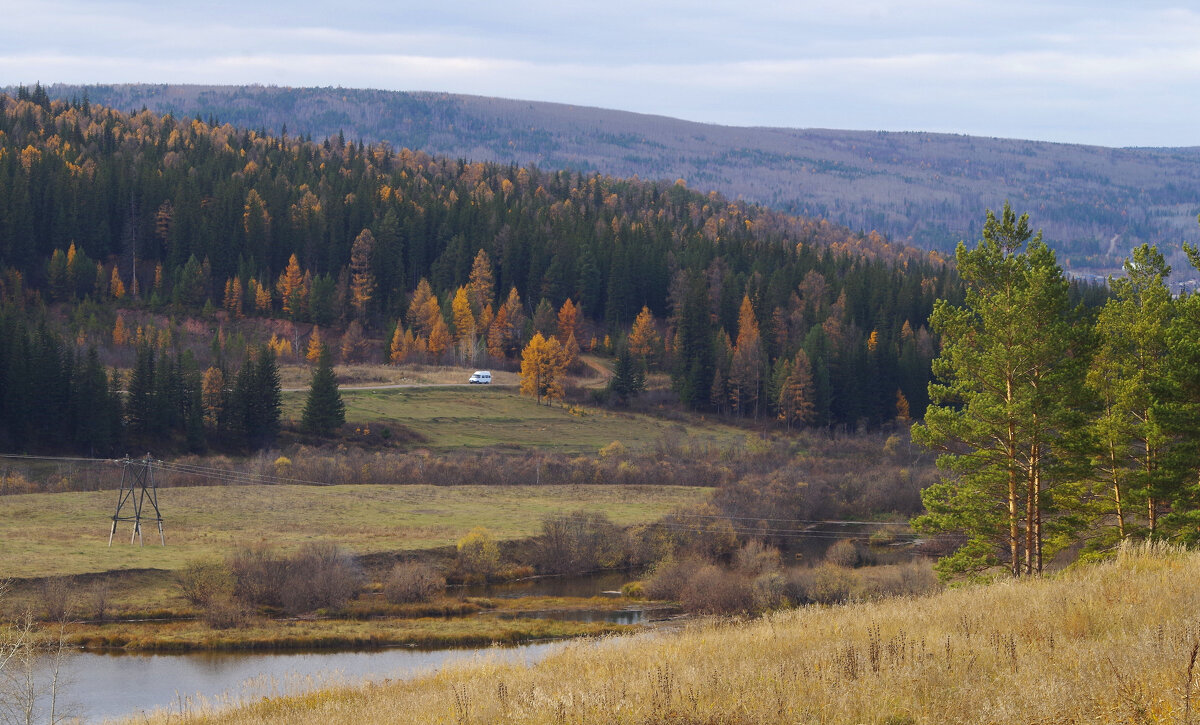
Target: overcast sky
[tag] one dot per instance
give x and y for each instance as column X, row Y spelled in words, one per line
column 1116, row 74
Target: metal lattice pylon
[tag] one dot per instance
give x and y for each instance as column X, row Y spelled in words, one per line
column 137, row 487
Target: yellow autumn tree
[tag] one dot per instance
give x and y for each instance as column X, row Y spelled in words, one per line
column 313, row 352
column 120, row 335
column 423, row 308
column 116, row 288
column 404, row 343
column 460, row 311
column 233, row 297
column 362, row 280
column 498, row 334
column 293, row 295
column 745, row 373
column 644, row 340
column 481, row 287
column 543, row 367
column 439, row 336
column 212, row 396
column 568, row 317
column 795, row 401
column 354, row 344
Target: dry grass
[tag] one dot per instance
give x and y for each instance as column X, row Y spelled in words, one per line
column 45, row 534
column 1109, row 643
column 296, row 376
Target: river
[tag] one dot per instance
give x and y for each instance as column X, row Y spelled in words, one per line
column 102, row 687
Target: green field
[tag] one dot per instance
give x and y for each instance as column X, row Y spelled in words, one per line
column 479, row 417
column 67, row 533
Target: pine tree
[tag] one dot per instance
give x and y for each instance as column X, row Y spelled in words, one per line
column 998, row 411
column 324, row 411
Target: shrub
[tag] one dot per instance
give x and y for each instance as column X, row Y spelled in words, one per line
column 56, row 597
column 259, row 574
column 670, row 577
column 824, row 584
column 413, row 582
column 844, row 553
column 714, row 590
column 202, row 582
column 320, row 576
column 478, row 554
column 755, row 558
column 224, row 613
column 579, row 542
column 770, row 591
column 634, row 590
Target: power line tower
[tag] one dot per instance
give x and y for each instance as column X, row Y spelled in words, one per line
column 137, row 487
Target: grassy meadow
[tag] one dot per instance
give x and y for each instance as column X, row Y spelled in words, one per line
column 482, row 417
column 67, row 533
column 1113, row 643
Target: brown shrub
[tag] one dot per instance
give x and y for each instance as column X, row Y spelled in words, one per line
column 714, row 590
column 56, row 598
column 413, row 582
column 259, row 575
column 202, row 582
column 824, row 584
column 670, row 577
column 320, row 576
column 843, row 553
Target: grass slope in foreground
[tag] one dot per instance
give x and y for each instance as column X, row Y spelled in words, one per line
column 67, row 533
column 1107, row 643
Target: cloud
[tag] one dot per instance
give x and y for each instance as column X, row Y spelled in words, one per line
column 1064, row 70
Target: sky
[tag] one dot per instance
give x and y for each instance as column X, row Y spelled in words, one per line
column 1106, row 73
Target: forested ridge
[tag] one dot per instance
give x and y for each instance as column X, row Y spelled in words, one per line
column 109, row 215
column 1096, row 204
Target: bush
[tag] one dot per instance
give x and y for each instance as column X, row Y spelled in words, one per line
column 770, row 591
column 579, row 542
column 478, row 554
column 224, row 613
column 844, row 553
column 713, row 590
column 413, row 582
column 56, row 597
column 824, row 584
column 669, row 578
column 259, row 575
column 320, row 576
column 633, row 590
column 202, row 582
column 755, row 558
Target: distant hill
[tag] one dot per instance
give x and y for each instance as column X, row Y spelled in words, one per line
column 1094, row 203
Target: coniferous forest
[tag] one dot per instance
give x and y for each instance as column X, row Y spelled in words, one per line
column 104, row 214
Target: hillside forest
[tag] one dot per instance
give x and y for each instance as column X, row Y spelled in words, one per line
column 198, row 255
column 927, row 189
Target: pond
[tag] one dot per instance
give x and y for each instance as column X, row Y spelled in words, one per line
column 99, row 687
column 587, row 585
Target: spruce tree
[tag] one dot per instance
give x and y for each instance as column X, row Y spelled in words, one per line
column 324, row 411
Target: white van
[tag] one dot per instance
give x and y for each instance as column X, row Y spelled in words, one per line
column 482, row 377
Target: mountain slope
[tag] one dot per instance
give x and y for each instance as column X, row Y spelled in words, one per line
column 1094, row 203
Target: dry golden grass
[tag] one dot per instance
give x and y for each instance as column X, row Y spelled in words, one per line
column 1111, row 643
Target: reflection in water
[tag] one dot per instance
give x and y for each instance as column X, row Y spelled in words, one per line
column 589, row 585
column 103, row 686
column 610, row 616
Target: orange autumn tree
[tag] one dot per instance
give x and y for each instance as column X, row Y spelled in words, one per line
column 482, row 283
column 745, row 374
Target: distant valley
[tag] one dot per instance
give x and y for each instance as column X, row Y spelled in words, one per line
column 1094, row 203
